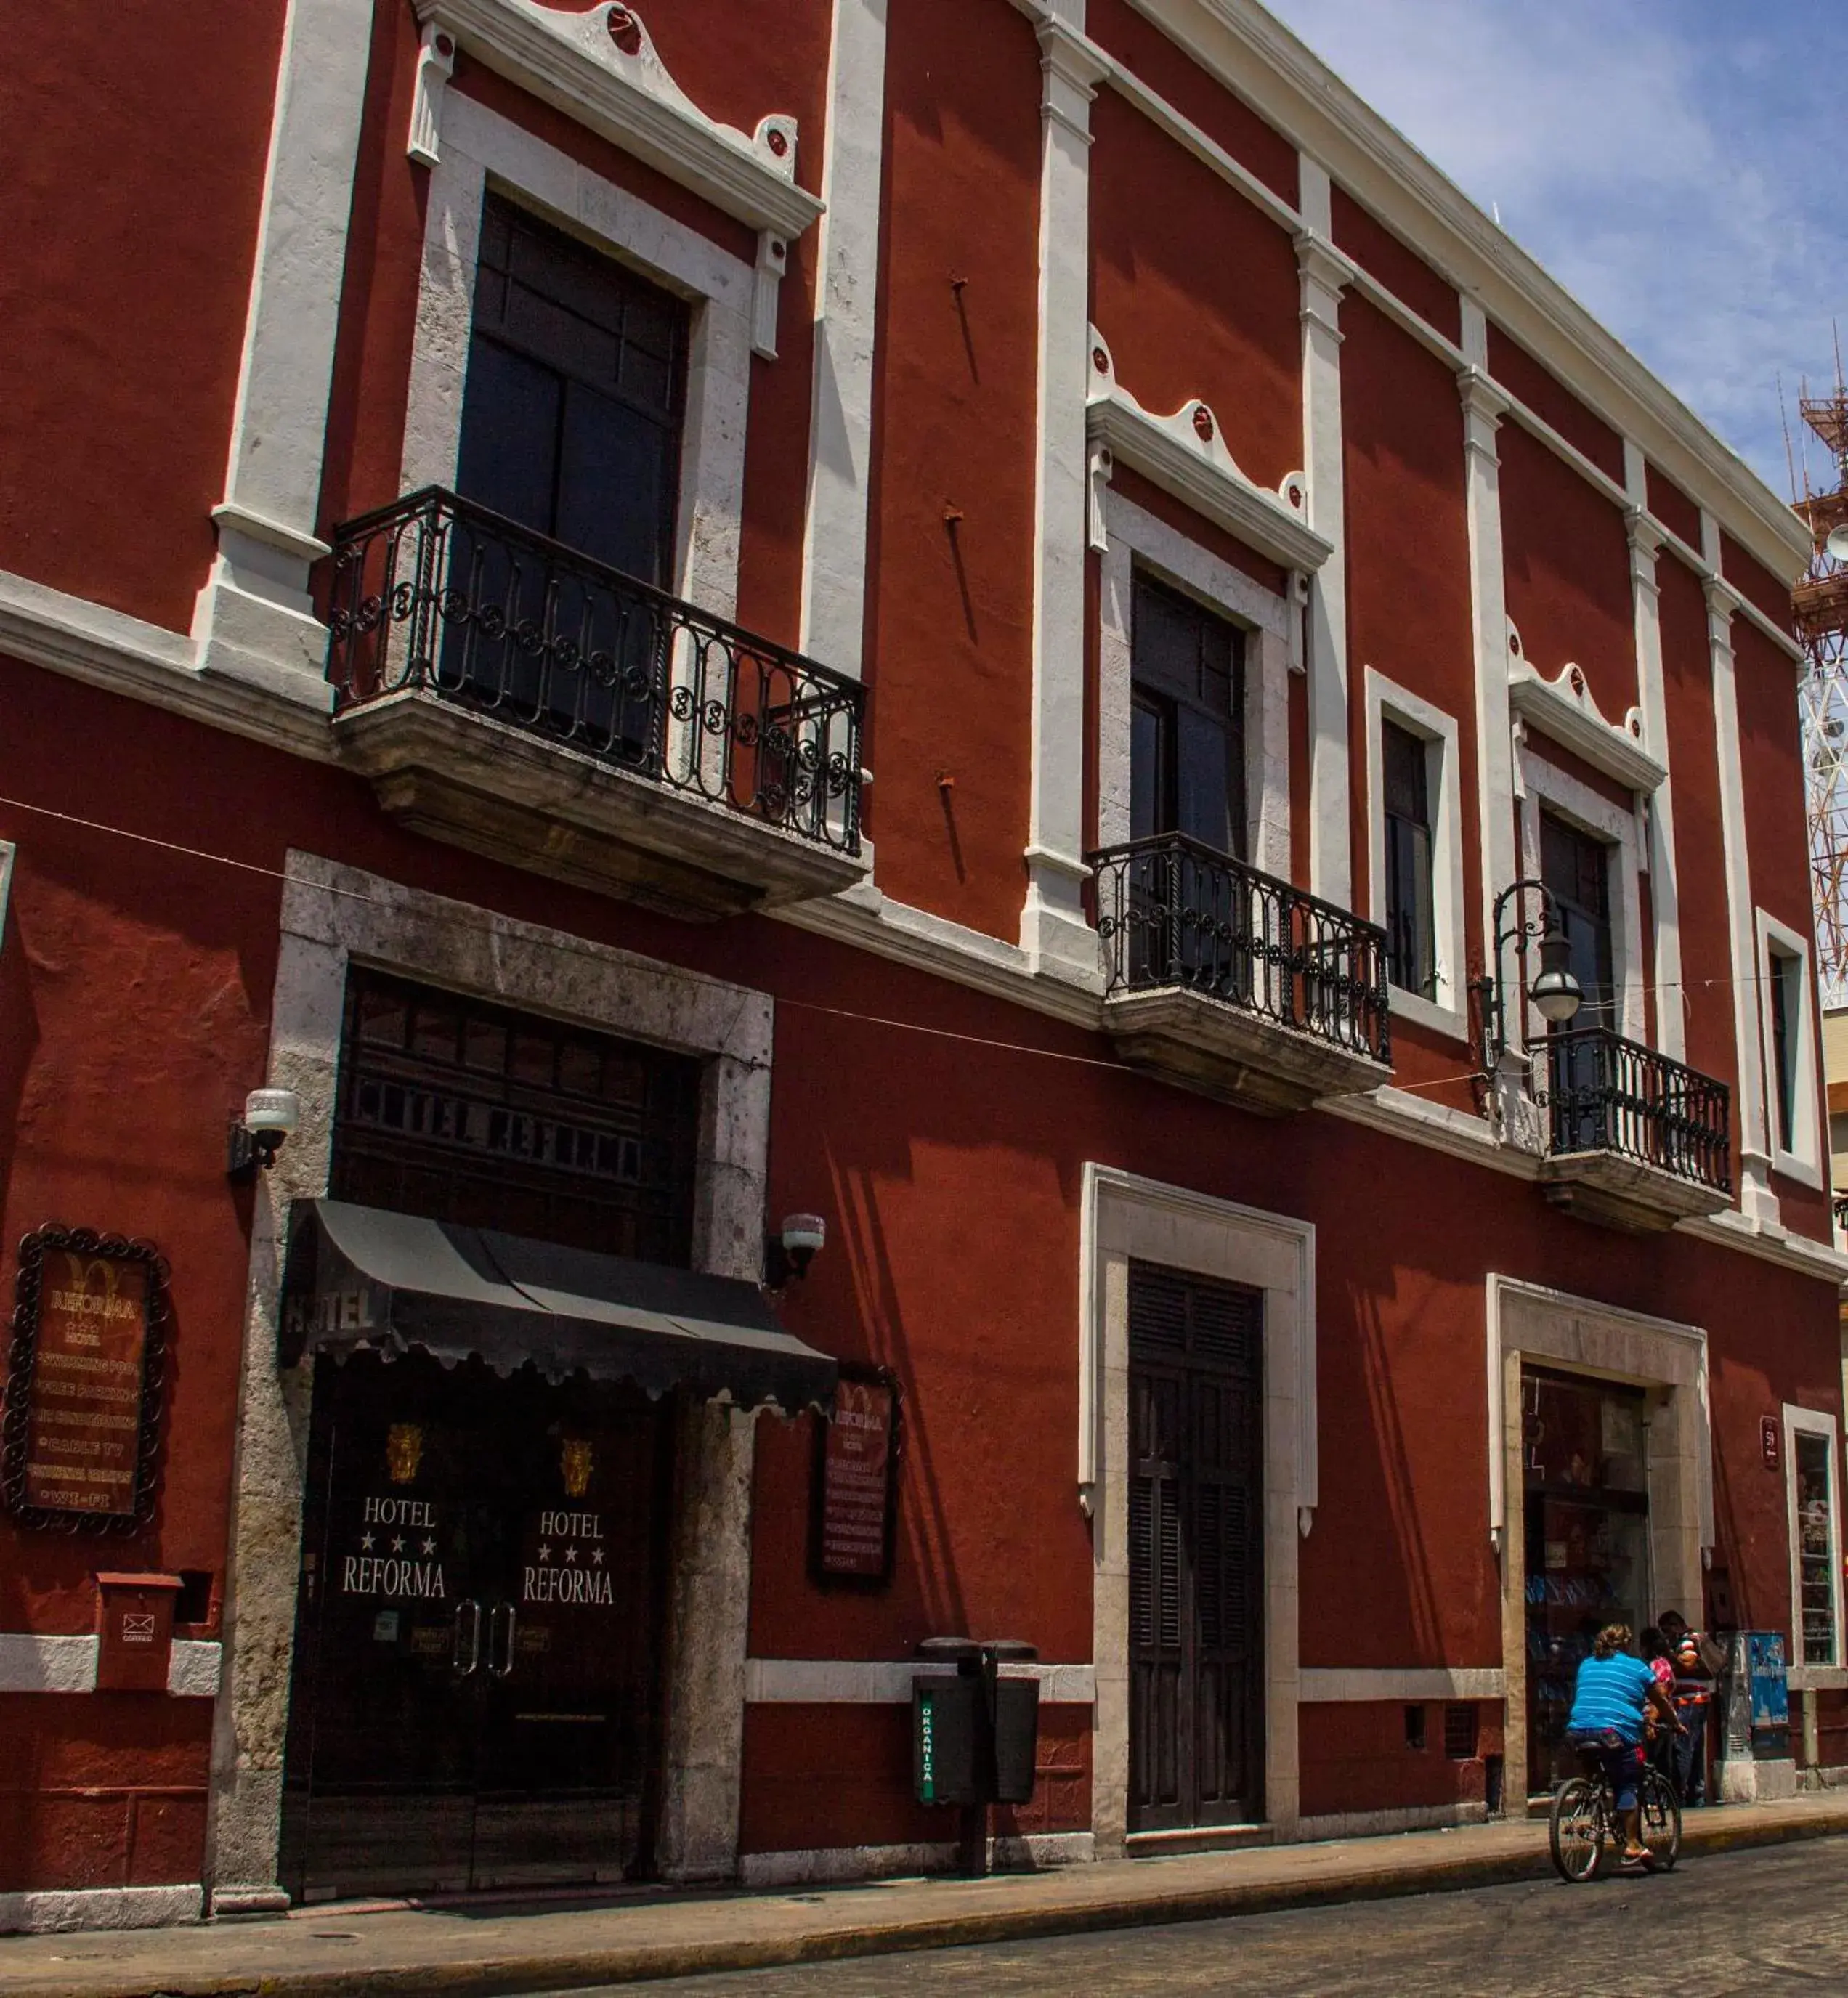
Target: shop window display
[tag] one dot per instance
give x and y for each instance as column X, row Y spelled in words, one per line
column 1585, row 1479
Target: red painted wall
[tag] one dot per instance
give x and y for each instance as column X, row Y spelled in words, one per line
column 1700, row 852
column 1196, row 292
column 102, row 1789
column 1403, row 272
column 1355, row 1757
column 1554, row 403
column 1673, row 507
column 1409, row 614
column 1226, row 119
column 129, row 241
column 1777, row 844
column 1567, row 561
column 950, row 617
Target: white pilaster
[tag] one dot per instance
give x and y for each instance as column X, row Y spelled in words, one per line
column 840, row 434
column 253, row 620
column 1324, row 274
column 1658, row 810
column 1483, row 408
column 1054, row 932
column 1757, row 1200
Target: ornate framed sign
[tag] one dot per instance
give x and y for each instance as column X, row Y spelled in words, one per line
column 856, row 1481
column 82, row 1427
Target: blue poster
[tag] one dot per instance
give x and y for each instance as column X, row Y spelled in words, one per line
column 1770, row 1685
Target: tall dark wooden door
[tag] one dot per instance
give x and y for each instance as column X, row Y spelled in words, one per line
column 1196, row 1546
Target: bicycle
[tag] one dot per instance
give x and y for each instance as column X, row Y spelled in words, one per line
column 1583, row 1826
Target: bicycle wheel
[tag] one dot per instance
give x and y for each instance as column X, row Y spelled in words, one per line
column 1661, row 1819
column 1576, row 1829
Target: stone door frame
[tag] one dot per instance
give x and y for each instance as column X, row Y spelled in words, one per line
column 332, row 916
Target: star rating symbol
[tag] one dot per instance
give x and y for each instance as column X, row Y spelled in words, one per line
column 597, row 1557
column 430, row 1547
column 571, row 1553
column 397, row 1543
column 544, row 1553
column 365, row 1543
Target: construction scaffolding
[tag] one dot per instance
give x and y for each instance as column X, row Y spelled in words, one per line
column 1821, row 605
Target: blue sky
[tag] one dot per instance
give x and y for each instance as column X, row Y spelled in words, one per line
column 1678, row 165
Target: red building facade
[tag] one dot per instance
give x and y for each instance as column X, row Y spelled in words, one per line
column 485, row 497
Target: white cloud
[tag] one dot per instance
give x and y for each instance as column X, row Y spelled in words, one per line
column 1662, row 161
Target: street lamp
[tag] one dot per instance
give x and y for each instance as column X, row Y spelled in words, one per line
column 1556, row 993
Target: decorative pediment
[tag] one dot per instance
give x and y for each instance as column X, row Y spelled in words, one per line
column 1565, row 708
column 1185, row 455
column 601, row 67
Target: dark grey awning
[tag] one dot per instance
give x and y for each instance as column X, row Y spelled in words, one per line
column 363, row 1276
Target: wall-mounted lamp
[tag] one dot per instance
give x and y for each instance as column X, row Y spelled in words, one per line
column 1556, row 993
column 269, row 1116
column 790, row 1251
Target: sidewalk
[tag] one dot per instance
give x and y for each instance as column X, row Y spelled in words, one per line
column 335, row 1952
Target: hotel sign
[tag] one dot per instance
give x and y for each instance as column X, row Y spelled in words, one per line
column 857, row 1480
column 77, row 1443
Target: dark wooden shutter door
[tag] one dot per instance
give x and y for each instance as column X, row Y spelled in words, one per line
column 1196, row 1551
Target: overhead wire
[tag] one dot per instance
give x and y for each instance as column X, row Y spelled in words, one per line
column 590, row 948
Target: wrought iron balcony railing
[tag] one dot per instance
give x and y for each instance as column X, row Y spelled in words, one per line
column 1604, row 1094
column 435, row 595
column 1173, row 912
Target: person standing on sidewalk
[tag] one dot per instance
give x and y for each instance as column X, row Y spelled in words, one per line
column 1698, row 1662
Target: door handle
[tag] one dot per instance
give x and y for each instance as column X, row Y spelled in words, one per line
column 506, row 1664
column 469, row 1608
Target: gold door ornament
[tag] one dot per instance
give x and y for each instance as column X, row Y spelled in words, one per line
column 575, row 1462
column 403, row 1451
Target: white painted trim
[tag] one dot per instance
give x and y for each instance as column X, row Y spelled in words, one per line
column 1322, row 273
column 1565, row 708
column 1266, row 620
column 1249, row 50
column 1804, row 1160
column 252, row 618
column 1325, row 1685
column 834, row 1864
column 32, row 1662
column 1124, row 1216
column 1814, row 1422
column 479, row 146
column 1772, row 1242
column 102, row 647
column 8, row 849
column 1185, row 455
column 1483, row 407
column 1054, row 931
column 573, row 61
column 887, row 1681
column 57, row 1911
column 1663, row 860
column 1593, row 813
column 840, row 424
column 1386, row 700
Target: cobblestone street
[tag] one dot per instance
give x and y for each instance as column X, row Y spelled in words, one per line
column 1758, row 1922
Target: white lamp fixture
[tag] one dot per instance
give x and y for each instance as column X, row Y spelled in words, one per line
column 270, row 1116
column 790, row 1251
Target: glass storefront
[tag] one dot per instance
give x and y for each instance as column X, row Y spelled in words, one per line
column 1584, row 1474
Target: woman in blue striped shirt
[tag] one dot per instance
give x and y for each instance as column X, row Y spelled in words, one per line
column 1614, row 1691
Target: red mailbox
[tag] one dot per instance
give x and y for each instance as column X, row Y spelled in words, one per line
column 135, row 1626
